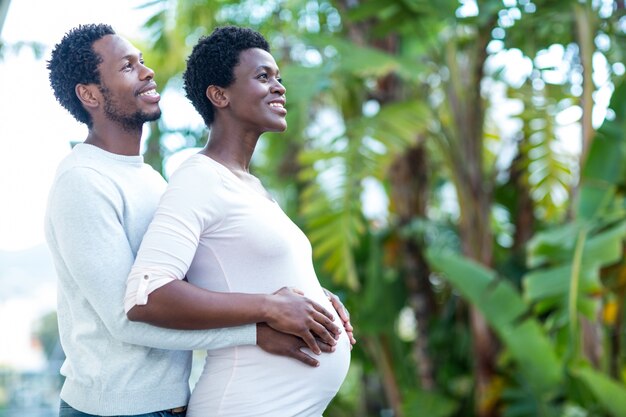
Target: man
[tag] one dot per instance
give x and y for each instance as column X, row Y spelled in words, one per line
column 100, row 204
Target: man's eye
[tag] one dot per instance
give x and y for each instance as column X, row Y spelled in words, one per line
column 279, row 79
column 262, row 76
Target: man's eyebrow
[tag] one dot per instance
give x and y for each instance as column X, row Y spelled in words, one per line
column 130, row 56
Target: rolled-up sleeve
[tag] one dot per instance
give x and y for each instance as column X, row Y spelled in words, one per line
column 141, row 283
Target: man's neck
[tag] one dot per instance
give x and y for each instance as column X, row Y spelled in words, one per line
column 115, row 140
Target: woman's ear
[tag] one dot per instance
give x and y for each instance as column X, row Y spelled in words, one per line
column 88, row 94
column 217, row 96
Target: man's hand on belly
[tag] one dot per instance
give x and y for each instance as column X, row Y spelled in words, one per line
column 283, row 344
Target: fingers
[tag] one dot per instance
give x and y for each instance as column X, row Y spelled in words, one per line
column 349, row 332
column 338, row 305
column 289, row 289
column 311, row 343
column 278, row 343
column 325, row 329
column 341, row 310
column 304, row 358
column 296, row 290
column 348, row 326
column 351, row 338
column 324, row 334
column 344, row 315
column 307, row 319
column 328, row 324
column 307, row 359
column 322, row 310
column 325, row 347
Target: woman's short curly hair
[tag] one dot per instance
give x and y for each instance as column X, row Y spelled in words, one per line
column 73, row 62
column 212, row 62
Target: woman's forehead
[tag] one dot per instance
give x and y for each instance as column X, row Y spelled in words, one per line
column 255, row 58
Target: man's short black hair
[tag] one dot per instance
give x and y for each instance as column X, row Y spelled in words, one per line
column 73, row 62
column 212, row 62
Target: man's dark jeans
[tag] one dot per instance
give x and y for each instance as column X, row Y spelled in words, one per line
column 65, row 410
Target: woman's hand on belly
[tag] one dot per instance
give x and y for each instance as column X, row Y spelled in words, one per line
column 288, row 311
column 278, row 343
column 344, row 315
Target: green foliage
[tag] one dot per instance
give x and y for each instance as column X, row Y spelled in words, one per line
column 610, row 394
column 47, row 331
column 505, row 311
column 381, row 285
column 411, row 17
column 604, row 175
column 429, row 404
column 549, row 170
column 549, row 286
column 568, row 263
column 333, row 169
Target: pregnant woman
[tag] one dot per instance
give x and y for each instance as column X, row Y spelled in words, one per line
column 219, row 227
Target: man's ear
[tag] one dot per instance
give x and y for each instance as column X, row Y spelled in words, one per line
column 88, row 94
column 217, row 96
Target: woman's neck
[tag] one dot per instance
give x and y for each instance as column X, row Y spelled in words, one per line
column 234, row 152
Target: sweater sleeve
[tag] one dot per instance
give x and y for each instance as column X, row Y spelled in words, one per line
column 190, row 207
column 89, row 234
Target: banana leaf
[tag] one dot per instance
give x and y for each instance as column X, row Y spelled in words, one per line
column 505, row 311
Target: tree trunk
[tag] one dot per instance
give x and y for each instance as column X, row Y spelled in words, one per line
column 474, row 191
column 524, row 218
column 476, row 241
column 591, row 333
column 409, row 191
column 378, row 348
column 585, row 35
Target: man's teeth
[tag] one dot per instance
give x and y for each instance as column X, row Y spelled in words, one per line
column 149, row 93
column 276, row 105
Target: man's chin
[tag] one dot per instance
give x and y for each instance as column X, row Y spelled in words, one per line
column 153, row 116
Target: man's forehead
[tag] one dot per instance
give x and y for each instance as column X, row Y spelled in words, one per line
column 114, row 47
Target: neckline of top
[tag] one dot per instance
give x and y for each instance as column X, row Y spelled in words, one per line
column 267, row 197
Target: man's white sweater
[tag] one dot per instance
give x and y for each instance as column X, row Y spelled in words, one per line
column 99, row 208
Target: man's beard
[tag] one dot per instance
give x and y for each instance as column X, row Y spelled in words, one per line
column 129, row 122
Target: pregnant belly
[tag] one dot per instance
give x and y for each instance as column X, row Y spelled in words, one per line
column 247, row 381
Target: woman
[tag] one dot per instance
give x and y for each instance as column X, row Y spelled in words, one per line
column 219, row 227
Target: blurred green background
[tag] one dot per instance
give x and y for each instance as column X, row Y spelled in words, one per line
column 458, row 168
